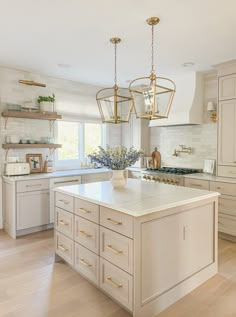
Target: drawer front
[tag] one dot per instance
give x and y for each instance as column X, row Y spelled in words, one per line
column 227, row 205
column 87, row 263
column 196, row 183
column 223, row 188
column 116, row 249
column 116, row 221
column 64, row 222
column 227, row 171
column 87, row 234
column 32, row 185
column 87, row 210
column 64, row 247
column 116, row 283
column 97, row 177
column 65, row 202
column 227, row 224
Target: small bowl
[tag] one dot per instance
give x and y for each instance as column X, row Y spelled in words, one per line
column 31, row 142
column 23, row 141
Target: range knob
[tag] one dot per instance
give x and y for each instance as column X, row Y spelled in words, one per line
column 145, row 176
column 154, row 178
column 148, row 178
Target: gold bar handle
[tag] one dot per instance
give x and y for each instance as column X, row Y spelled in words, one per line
column 82, row 261
column 218, row 188
column 87, row 235
column 85, row 211
column 232, row 172
column 64, row 201
column 114, row 222
column 109, row 247
column 61, row 247
column 198, row 185
column 115, row 284
column 62, row 222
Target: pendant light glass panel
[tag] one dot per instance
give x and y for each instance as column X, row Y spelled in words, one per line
column 115, row 104
column 152, row 98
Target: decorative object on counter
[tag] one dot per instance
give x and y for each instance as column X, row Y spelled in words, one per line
column 35, row 162
column 152, row 95
column 184, row 149
column 209, row 167
column 46, row 103
column 48, row 166
column 156, row 159
column 115, row 104
column 31, row 83
column 116, row 159
column 14, row 169
column 212, row 110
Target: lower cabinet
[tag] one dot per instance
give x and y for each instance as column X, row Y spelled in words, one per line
column 32, row 209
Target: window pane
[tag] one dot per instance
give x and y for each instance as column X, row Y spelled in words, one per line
column 92, row 137
column 68, row 136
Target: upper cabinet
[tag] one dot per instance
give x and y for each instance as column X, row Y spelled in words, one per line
column 227, row 87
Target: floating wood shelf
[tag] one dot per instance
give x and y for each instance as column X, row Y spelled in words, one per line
column 31, row 146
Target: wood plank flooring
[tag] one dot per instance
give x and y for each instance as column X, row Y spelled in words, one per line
column 32, row 285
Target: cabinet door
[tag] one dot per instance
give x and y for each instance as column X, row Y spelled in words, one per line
column 32, row 209
column 227, row 87
column 227, row 133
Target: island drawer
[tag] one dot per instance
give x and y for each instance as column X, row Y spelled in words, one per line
column 116, row 283
column 64, row 222
column 116, row 249
column 227, row 205
column 223, row 188
column 65, row 202
column 87, row 263
column 87, row 210
column 87, row 234
column 64, row 247
column 227, row 224
column 32, row 185
column 116, row 221
column 196, row 183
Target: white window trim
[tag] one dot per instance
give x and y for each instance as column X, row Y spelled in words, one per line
column 76, row 163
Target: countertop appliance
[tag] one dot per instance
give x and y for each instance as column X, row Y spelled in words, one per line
column 14, row 169
column 168, row 175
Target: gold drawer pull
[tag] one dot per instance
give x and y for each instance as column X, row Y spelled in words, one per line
column 198, row 185
column 61, row 247
column 85, row 211
column 62, row 222
column 82, row 261
column 87, row 235
column 115, row 284
column 65, row 202
column 114, row 222
column 109, row 247
column 35, row 185
column 232, row 172
column 218, row 188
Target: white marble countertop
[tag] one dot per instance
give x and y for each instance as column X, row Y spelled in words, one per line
column 55, row 174
column 209, row 177
column 137, row 198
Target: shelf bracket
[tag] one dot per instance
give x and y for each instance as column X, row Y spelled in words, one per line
column 51, row 123
column 5, row 122
column 6, row 154
column 51, row 151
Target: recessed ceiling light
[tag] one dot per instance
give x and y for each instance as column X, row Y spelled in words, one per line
column 63, row 65
column 188, row 64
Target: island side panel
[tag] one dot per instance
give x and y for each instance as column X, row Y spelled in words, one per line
column 175, row 251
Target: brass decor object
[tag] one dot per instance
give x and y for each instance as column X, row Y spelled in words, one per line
column 31, row 83
column 152, row 95
column 115, row 104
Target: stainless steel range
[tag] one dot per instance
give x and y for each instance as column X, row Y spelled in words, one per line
column 168, row 175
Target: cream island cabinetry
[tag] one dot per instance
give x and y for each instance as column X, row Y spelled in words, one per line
column 140, row 245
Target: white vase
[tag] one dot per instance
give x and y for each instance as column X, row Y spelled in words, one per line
column 119, row 178
column 46, row 106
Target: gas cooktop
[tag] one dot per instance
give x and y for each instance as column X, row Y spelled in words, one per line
column 175, row 170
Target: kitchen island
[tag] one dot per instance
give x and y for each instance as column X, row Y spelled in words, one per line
column 146, row 245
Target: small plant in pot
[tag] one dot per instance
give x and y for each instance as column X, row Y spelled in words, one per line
column 46, row 103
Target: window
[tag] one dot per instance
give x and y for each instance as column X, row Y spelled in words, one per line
column 78, row 139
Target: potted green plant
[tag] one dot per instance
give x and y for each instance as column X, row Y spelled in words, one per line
column 46, row 103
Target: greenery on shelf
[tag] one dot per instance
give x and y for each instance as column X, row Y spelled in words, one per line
column 46, row 98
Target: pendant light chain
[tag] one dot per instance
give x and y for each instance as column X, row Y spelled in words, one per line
column 152, row 69
column 115, row 79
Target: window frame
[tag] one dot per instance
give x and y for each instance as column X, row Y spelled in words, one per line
column 76, row 163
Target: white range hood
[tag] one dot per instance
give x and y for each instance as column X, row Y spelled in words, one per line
column 187, row 106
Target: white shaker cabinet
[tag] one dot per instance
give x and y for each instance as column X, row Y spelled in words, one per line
column 227, row 87
column 227, row 139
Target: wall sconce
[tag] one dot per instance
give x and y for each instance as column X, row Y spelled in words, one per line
column 212, row 110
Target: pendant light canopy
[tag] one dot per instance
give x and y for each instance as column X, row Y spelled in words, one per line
column 152, row 95
column 115, row 104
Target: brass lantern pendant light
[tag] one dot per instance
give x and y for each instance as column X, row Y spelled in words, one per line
column 115, row 104
column 152, row 95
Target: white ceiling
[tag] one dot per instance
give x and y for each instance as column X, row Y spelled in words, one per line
column 39, row 35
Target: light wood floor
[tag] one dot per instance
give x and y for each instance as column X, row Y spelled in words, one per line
column 31, row 285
